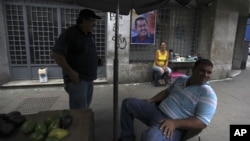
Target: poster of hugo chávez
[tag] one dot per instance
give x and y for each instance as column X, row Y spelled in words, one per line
column 143, row 28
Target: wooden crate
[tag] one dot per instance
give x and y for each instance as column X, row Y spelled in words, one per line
column 82, row 128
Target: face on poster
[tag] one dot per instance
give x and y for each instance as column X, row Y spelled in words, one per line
column 143, row 28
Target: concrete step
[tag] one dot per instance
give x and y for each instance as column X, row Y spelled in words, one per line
column 36, row 83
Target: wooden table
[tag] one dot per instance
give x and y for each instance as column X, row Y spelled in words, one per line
column 181, row 66
column 82, row 128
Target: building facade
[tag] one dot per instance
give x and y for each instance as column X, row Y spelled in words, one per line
column 29, row 29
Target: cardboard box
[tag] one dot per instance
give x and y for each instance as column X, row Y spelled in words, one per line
column 82, row 128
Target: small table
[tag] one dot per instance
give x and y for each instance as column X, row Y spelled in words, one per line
column 82, row 128
column 181, row 65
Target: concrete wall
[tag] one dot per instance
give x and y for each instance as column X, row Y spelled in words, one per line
column 220, row 24
column 4, row 67
column 222, row 19
column 241, row 49
column 128, row 73
column 223, row 40
column 218, row 30
column 206, row 30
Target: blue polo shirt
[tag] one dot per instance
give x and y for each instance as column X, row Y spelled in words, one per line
column 195, row 100
column 148, row 39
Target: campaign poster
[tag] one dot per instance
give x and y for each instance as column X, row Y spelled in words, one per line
column 143, row 27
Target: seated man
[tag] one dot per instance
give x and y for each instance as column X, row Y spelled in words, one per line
column 187, row 104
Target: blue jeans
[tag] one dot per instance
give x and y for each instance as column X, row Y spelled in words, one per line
column 149, row 114
column 161, row 71
column 80, row 95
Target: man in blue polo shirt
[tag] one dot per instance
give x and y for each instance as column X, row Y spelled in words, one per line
column 189, row 103
column 75, row 52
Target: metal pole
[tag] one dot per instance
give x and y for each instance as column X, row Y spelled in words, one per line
column 115, row 81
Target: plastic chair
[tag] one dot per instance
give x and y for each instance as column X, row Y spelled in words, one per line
column 175, row 75
column 190, row 134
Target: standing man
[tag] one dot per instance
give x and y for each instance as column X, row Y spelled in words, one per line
column 143, row 35
column 187, row 104
column 75, row 52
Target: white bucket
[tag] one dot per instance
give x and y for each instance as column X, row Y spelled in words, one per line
column 43, row 77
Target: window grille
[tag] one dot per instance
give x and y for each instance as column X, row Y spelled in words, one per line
column 15, row 26
column 177, row 26
column 44, row 23
column 42, row 30
column 32, row 27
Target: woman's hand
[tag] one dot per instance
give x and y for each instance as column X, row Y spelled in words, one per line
column 164, row 67
column 168, row 126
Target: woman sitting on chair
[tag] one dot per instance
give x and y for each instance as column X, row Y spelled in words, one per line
column 161, row 63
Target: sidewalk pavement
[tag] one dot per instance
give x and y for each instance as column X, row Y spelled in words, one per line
column 233, row 104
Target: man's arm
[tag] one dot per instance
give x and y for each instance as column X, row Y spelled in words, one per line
column 204, row 112
column 189, row 123
column 159, row 97
column 62, row 62
column 168, row 126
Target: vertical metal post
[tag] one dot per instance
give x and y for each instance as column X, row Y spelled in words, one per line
column 115, row 81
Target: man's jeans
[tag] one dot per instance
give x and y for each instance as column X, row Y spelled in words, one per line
column 80, row 95
column 147, row 113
